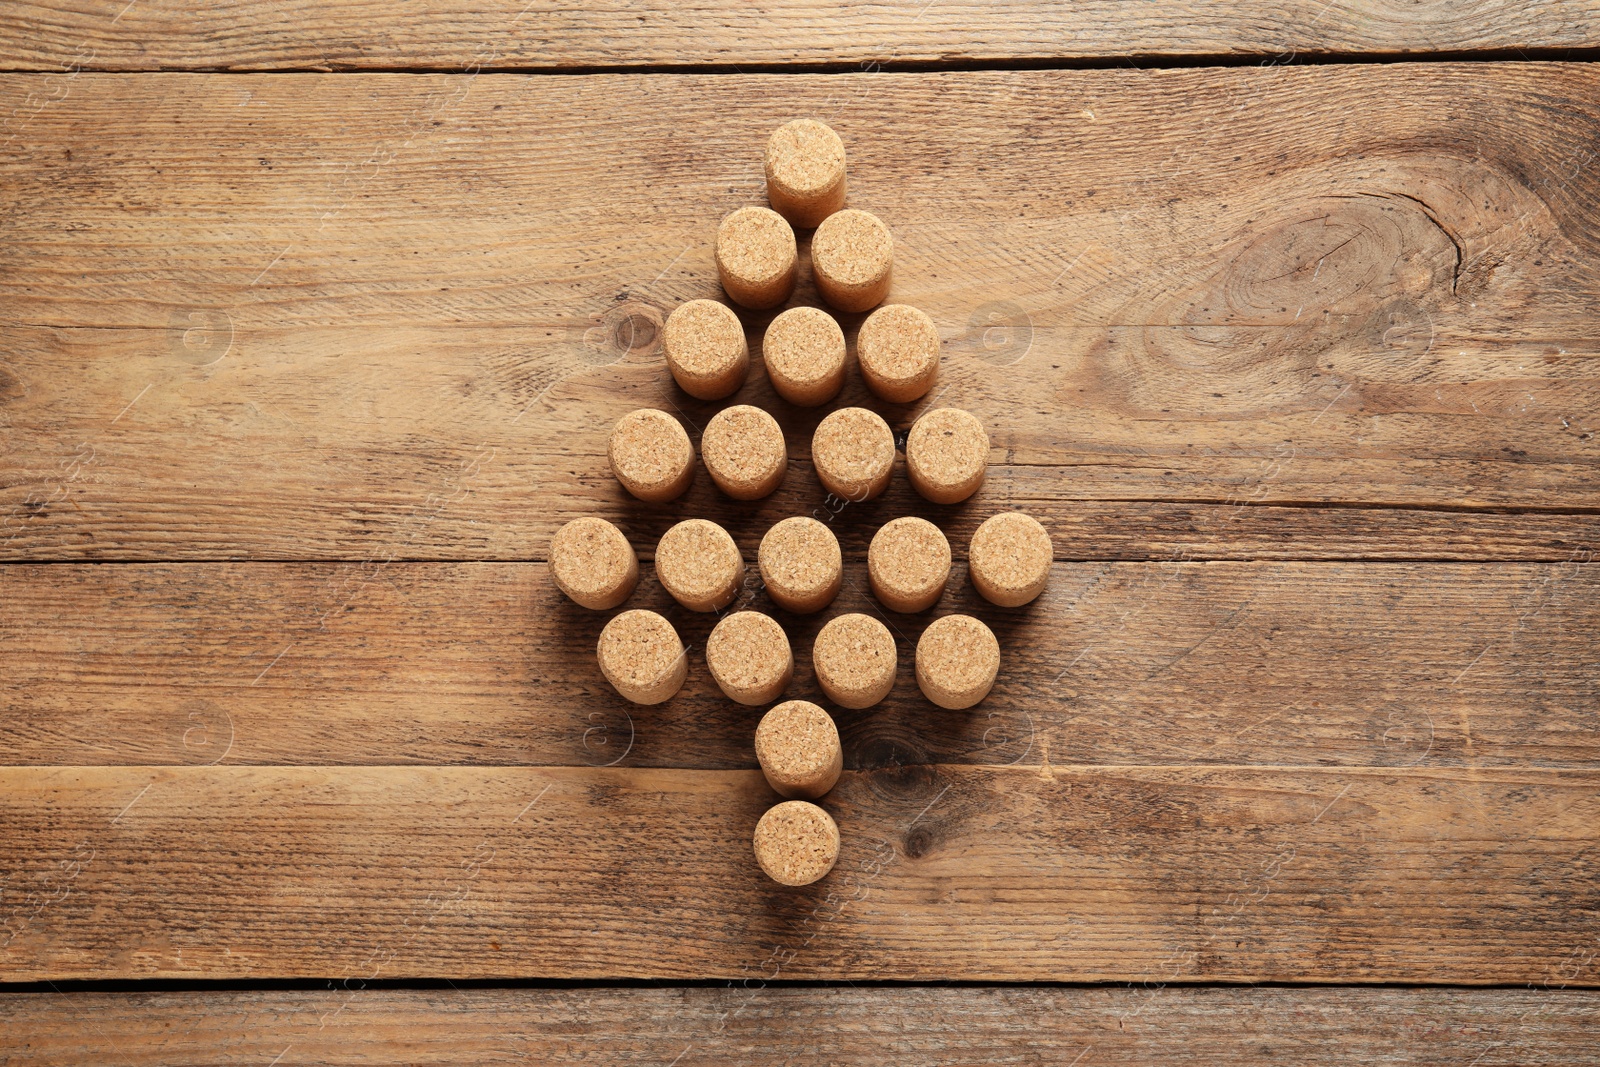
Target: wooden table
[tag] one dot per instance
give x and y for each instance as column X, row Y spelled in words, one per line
column 315, row 317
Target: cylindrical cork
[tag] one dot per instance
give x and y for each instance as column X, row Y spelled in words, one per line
column 743, row 449
column 651, row 455
column 642, row 658
column 698, row 563
column 852, row 257
column 798, row 748
column 593, row 563
column 801, row 565
column 756, row 257
column 804, row 354
column 1010, row 559
column 854, row 658
column 796, row 843
column 749, row 657
column 947, row 454
column 853, row 452
column 805, row 172
column 898, row 349
column 706, row 350
column 957, row 660
column 908, row 564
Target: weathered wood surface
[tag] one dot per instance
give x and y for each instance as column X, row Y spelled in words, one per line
column 1373, row 665
column 369, row 317
column 490, row 34
column 865, row 1026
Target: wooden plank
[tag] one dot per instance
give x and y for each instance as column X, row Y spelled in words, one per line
column 1025, row 873
column 1268, row 664
column 865, row 1026
column 461, row 35
column 359, row 316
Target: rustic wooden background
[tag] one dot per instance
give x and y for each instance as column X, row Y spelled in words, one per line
column 1284, row 318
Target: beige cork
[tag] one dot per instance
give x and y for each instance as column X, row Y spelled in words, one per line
column 805, row 172
column 743, row 449
column 749, row 657
column 593, row 563
column 801, row 565
column 642, row 658
column 756, row 257
column 804, row 354
column 854, row 658
column 947, row 454
column 852, row 257
column 957, row 660
column 798, row 748
column 796, row 843
column 1010, row 559
column 651, row 455
column 898, row 349
column 853, row 452
column 706, row 350
column 908, row 564
column 698, row 563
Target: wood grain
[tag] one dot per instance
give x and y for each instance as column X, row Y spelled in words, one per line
column 855, row 1027
column 366, row 317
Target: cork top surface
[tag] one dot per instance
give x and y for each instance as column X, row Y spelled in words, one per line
column 756, row 244
column 638, row 648
column 854, row 651
column 958, row 653
column 854, row 444
column 899, row 343
column 948, row 445
column 649, row 447
column 1011, row 549
column 590, row 556
column 696, row 559
column 743, row 444
column 748, row 650
column 796, row 842
column 909, row 556
column 796, row 741
column 852, row 247
column 803, row 345
column 804, row 158
column 703, row 339
column 800, row 555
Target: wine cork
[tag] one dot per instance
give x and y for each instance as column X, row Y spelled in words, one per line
column 698, row 563
column 743, row 449
column 651, row 455
column 853, row 452
column 947, row 454
column 801, row 565
column 1010, row 559
column 804, row 355
column 898, row 349
column 749, row 657
column 756, row 257
column 642, row 658
column 854, row 658
column 957, row 660
column 706, row 350
column 796, row 843
column 908, row 564
column 798, row 748
column 852, row 257
column 593, row 563
column 805, row 172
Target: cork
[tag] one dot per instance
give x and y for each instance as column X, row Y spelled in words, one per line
column 749, row 657
column 898, row 349
column 801, row 565
column 706, row 350
column 756, row 257
column 853, row 452
column 805, row 172
column 798, row 748
column 642, row 658
column 743, row 449
column 698, row 563
column 1010, row 559
column 908, row 564
column 852, row 257
column 796, row 843
column 947, row 453
column 854, row 658
column 651, row 455
column 593, row 563
column 957, row 660
column 804, row 355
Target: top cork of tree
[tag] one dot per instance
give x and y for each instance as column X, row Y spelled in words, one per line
column 805, row 172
